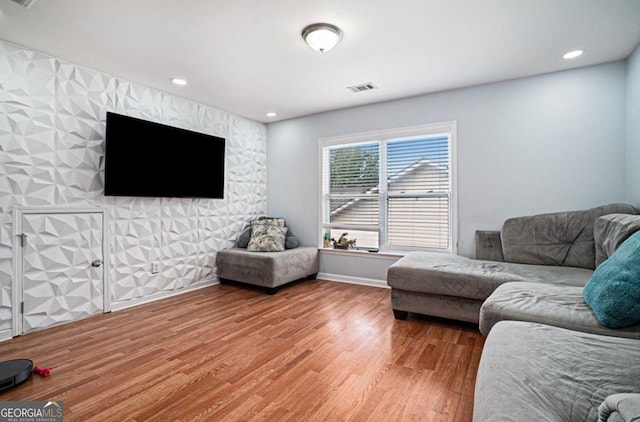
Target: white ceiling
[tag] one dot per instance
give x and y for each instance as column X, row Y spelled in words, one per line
column 247, row 56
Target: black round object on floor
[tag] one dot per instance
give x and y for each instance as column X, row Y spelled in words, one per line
column 14, row 372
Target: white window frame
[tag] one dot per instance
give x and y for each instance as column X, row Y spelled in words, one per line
column 432, row 129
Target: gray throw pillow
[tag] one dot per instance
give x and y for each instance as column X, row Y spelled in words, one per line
column 291, row 241
column 243, row 238
column 609, row 231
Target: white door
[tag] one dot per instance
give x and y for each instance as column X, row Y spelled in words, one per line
column 62, row 268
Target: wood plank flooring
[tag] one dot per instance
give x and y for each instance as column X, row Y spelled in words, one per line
column 316, row 351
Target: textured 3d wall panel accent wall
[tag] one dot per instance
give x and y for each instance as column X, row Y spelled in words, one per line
column 52, row 126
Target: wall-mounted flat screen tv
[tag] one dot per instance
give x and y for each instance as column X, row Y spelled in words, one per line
column 144, row 158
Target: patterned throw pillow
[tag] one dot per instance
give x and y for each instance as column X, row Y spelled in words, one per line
column 267, row 237
column 270, row 221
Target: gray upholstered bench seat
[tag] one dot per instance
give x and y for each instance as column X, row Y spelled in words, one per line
column 560, row 306
column 267, row 269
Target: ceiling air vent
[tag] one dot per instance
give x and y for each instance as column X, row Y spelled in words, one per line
column 362, row 87
column 24, row 3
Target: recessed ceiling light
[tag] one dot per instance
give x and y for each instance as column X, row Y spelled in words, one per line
column 271, row 114
column 178, row 81
column 573, row 54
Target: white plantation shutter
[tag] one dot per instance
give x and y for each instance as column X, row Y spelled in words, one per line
column 394, row 193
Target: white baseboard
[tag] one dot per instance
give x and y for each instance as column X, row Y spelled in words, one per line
column 353, row 280
column 118, row 306
column 8, row 334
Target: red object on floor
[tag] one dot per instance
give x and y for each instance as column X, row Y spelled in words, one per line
column 45, row 372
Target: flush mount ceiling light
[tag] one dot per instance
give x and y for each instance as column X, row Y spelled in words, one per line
column 322, row 37
column 178, row 81
column 271, row 114
column 573, row 54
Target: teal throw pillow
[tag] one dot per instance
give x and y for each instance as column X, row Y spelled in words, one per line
column 613, row 292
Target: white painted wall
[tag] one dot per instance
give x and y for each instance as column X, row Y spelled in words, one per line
column 539, row 144
column 633, row 127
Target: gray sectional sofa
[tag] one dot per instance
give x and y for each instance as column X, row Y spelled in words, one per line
column 534, row 372
column 555, row 248
column 562, row 305
column 547, row 357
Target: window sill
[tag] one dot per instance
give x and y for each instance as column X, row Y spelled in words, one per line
column 363, row 253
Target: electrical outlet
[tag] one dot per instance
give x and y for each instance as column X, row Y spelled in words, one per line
column 155, row 268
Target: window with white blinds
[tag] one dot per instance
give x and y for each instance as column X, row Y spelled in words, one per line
column 392, row 193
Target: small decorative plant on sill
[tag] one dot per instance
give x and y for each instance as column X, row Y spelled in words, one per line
column 343, row 242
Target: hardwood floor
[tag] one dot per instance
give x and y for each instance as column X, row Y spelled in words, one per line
column 316, row 351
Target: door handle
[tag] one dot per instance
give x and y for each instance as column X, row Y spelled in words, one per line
column 96, row 263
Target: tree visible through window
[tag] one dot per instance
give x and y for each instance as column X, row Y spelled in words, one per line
column 391, row 193
column 354, row 166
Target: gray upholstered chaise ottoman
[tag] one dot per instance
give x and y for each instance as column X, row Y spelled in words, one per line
column 267, row 269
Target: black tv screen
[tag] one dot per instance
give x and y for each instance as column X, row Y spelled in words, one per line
column 144, row 158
